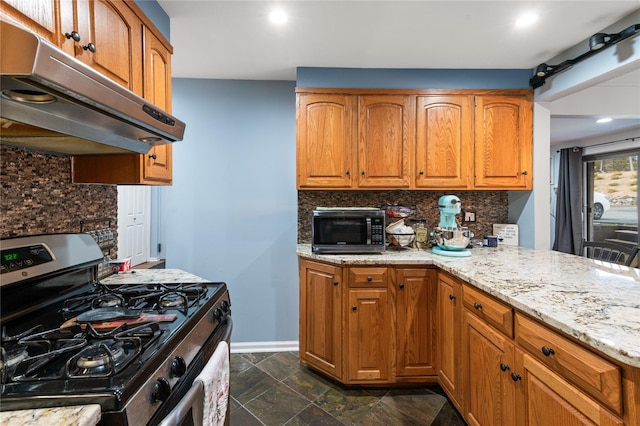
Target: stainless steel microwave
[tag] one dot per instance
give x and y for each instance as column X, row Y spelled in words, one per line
column 347, row 230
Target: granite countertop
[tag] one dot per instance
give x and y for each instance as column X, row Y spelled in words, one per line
column 80, row 415
column 153, row 276
column 595, row 302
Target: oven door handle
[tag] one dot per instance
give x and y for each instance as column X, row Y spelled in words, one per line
column 192, row 400
column 194, row 397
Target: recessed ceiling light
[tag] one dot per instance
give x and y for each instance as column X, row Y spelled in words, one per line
column 278, row 17
column 526, row 19
column 604, row 120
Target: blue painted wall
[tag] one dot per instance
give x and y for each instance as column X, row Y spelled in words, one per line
column 157, row 15
column 231, row 214
column 379, row 78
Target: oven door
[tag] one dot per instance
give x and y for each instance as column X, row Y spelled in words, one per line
column 186, row 402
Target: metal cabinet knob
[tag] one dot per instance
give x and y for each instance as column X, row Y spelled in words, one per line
column 401, row 285
column 348, row 172
column 452, row 297
column 369, row 279
column 477, row 305
column 154, row 156
column 515, row 377
column 90, row 47
column 73, row 35
column 504, row 367
column 335, row 283
column 362, row 173
column 547, row 351
column 525, row 173
column 354, row 308
column 421, row 172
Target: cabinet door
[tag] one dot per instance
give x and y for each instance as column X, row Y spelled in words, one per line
column 385, row 133
column 545, row 398
column 489, row 358
column 503, row 157
column 157, row 163
column 39, row 16
column 369, row 345
column 415, row 322
column 449, row 314
column 320, row 317
column 116, row 33
column 325, row 145
column 444, row 141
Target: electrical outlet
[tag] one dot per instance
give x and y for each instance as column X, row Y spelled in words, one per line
column 468, row 216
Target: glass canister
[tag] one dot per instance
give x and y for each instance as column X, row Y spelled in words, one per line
column 422, row 234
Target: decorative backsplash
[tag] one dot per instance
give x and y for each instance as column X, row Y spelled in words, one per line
column 37, row 197
column 490, row 206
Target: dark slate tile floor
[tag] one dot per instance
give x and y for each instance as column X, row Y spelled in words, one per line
column 275, row 389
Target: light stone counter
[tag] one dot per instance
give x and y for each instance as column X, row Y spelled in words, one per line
column 80, row 415
column 153, row 276
column 595, row 302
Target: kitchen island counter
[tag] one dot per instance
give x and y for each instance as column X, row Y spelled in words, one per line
column 595, row 302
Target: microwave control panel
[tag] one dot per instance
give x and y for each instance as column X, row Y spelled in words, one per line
column 377, row 231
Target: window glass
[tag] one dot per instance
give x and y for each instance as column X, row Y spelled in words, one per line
column 612, row 198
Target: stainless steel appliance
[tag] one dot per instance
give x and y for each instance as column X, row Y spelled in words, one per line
column 84, row 112
column 348, row 230
column 68, row 339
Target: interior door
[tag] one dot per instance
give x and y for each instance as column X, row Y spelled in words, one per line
column 133, row 223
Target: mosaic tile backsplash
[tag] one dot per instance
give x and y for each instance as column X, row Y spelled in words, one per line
column 490, row 206
column 37, row 197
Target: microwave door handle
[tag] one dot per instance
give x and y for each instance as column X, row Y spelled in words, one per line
column 368, row 231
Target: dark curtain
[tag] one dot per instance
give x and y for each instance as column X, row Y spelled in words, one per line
column 569, row 202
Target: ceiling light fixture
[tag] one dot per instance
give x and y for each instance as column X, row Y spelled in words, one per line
column 597, row 42
column 278, row 17
column 526, row 19
column 604, row 120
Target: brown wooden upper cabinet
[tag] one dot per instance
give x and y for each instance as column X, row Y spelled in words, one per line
column 325, row 148
column 444, row 141
column 116, row 39
column 104, row 34
column 414, row 139
column 504, row 133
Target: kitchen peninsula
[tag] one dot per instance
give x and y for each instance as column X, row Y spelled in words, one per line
column 540, row 332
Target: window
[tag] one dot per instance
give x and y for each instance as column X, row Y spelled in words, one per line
column 612, row 210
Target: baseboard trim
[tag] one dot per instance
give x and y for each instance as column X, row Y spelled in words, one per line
column 250, row 347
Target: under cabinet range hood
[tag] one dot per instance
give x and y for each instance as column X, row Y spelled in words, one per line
column 52, row 102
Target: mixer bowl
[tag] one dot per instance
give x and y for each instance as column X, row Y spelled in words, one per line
column 453, row 239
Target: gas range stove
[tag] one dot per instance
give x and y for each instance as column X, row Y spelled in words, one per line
column 68, row 339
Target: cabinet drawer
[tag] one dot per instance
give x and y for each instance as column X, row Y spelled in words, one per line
column 593, row 374
column 368, row 277
column 489, row 309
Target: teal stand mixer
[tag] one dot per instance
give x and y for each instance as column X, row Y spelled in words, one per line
column 449, row 238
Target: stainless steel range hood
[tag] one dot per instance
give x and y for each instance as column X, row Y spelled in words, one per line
column 54, row 103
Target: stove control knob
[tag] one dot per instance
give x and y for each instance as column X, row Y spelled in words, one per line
column 161, row 390
column 217, row 314
column 178, row 367
column 225, row 306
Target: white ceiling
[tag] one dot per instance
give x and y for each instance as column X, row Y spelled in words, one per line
column 235, row 39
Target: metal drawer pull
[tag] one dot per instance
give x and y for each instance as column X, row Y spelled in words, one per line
column 504, row 367
column 369, row 278
column 477, row 305
column 547, row 351
column 401, row 285
column 354, row 308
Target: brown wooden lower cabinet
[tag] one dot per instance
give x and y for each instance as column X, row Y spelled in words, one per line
column 448, row 337
column 391, row 324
